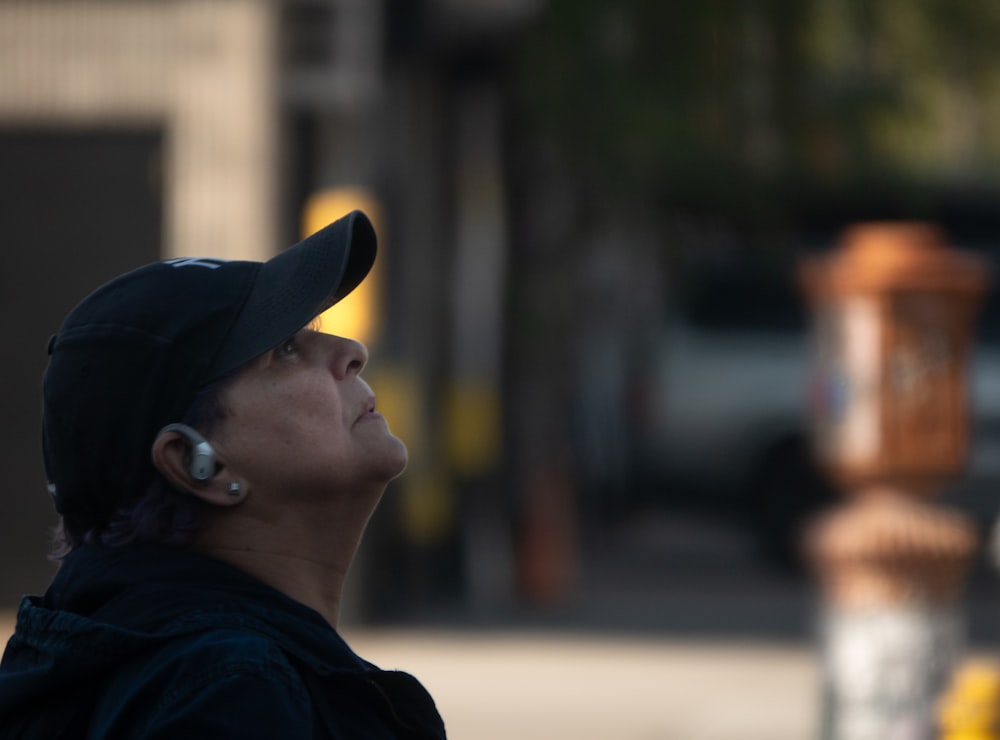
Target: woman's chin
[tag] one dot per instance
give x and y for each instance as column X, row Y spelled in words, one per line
column 396, row 459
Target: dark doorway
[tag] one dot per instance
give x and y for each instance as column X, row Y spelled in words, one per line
column 76, row 208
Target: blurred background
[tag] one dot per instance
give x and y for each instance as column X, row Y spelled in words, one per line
column 585, row 321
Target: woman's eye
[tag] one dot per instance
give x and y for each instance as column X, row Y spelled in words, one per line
column 287, row 347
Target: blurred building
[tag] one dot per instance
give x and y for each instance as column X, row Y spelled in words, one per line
column 134, row 131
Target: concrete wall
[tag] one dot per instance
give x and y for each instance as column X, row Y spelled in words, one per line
column 203, row 69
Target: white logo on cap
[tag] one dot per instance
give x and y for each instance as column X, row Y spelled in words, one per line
column 211, row 263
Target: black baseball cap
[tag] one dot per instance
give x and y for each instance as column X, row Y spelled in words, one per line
column 132, row 356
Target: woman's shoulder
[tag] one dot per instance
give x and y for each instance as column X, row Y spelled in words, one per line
column 230, row 647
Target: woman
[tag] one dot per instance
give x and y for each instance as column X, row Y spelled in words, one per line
column 215, row 461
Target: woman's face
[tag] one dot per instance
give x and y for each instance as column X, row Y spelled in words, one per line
column 301, row 421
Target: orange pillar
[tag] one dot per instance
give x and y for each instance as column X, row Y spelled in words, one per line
column 893, row 309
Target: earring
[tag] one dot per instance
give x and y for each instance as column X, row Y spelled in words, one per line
column 234, row 488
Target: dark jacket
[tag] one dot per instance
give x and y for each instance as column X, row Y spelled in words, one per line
column 152, row 642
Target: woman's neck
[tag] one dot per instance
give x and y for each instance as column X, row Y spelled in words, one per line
column 316, row 583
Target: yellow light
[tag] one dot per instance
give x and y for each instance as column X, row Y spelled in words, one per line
column 473, row 413
column 357, row 315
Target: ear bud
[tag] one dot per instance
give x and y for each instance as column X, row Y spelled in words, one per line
column 202, row 465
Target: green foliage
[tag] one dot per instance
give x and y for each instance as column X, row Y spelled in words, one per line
column 634, row 88
column 718, row 98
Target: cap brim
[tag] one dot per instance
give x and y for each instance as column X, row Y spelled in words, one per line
column 297, row 285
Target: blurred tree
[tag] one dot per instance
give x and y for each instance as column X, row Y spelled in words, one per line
column 708, row 100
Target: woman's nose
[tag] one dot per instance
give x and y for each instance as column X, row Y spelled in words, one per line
column 350, row 356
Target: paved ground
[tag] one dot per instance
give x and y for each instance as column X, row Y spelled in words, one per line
column 498, row 686
column 678, row 630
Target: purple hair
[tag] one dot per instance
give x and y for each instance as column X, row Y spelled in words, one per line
column 162, row 514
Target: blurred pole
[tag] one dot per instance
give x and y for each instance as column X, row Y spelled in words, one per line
column 893, row 311
column 474, row 423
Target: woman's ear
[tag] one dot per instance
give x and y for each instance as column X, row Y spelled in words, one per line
column 172, row 454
